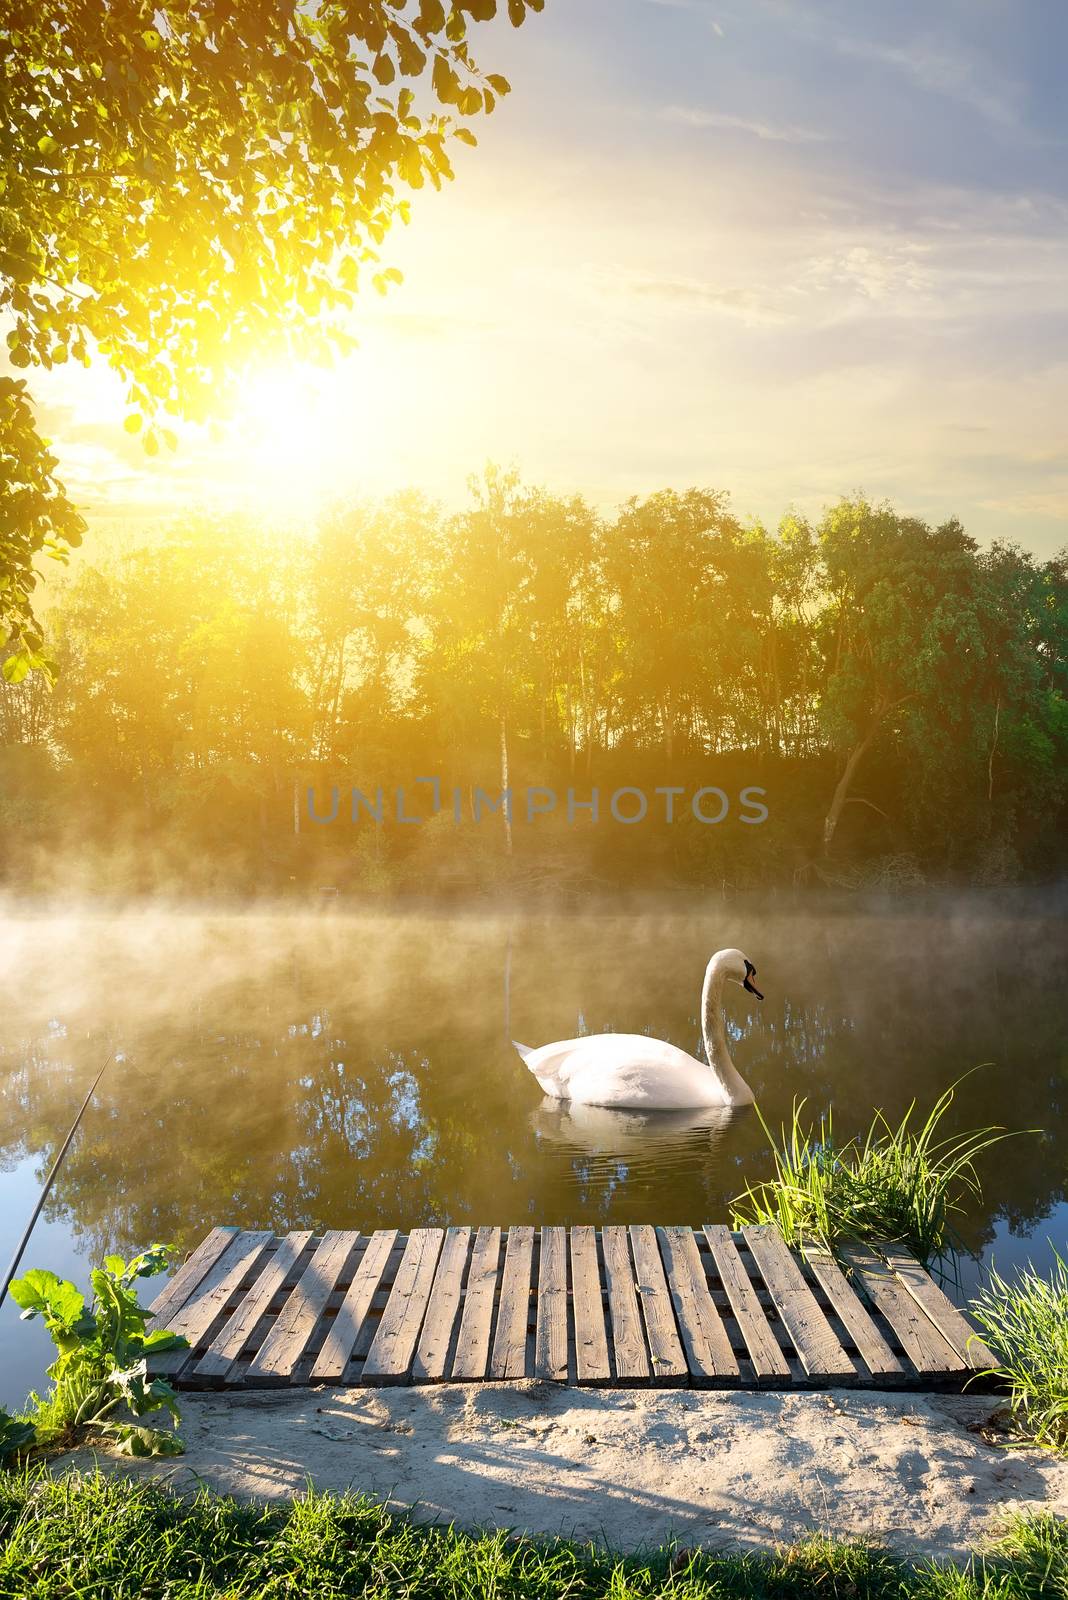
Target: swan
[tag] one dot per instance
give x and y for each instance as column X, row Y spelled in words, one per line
column 630, row 1070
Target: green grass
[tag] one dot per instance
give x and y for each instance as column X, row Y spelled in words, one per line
column 1026, row 1323
column 116, row 1540
column 898, row 1185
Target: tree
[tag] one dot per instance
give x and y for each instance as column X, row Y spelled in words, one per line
column 661, row 558
column 188, row 185
column 36, row 515
column 901, row 631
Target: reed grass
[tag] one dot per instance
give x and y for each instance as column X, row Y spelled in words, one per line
column 1026, row 1323
column 899, row 1185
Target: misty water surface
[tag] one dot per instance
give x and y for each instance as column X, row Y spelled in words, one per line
column 323, row 1069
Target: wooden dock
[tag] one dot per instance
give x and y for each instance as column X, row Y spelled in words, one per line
column 606, row 1306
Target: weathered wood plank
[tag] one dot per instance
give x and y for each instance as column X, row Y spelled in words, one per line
column 472, row 1347
column 509, row 1358
column 666, row 1355
column 951, row 1323
column 550, row 1339
column 872, row 1348
column 342, row 1334
column 227, row 1345
column 209, row 1299
column 764, row 1349
column 176, row 1290
column 277, row 1357
column 452, row 1312
column 591, row 1340
column 389, row 1359
column 432, row 1351
column 811, row 1334
column 704, row 1337
column 930, row 1353
column 629, row 1354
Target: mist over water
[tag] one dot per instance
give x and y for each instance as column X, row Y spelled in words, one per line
column 324, row 1069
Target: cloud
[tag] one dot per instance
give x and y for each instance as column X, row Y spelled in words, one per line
column 951, row 75
column 750, row 305
column 777, row 133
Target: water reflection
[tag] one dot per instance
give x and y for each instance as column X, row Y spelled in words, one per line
column 303, row 1071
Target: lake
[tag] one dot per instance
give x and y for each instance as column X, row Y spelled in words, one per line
column 293, row 1069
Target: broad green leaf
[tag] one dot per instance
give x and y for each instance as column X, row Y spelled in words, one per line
column 41, row 1291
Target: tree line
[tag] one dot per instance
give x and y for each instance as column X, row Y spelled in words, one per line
column 896, row 691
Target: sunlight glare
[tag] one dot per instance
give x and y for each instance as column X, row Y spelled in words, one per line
column 299, row 432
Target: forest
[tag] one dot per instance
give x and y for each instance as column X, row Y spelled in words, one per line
column 894, row 690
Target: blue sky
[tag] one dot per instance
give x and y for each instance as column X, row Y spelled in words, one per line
column 791, row 250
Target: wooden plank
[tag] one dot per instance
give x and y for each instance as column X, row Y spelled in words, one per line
column 472, row 1347
column 221, row 1355
column 277, row 1357
column 389, row 1359
column 342, row 1334
column 764, row 1349
column 443, row 1310
column 812, row 1336
column 930, row 1353
column 176, row 1290
column 873, row 1349
column 704, row 1337
column 951, row 1323
column 591, row 1340
column 432, row 1351
column 630, row 1357
column 509, row 1358
column 209, row 1299
column 666, row 1354
column 550, row 1339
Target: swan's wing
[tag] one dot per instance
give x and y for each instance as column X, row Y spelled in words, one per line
column 627, row 1069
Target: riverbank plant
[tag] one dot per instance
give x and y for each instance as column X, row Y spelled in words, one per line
column 102, row 1356
column 99, row 1535
column 900, row 1184
column 1026, row 1324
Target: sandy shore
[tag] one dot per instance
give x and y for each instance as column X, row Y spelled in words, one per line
column 918, row 1473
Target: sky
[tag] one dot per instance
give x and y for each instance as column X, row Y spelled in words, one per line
column 789, row 250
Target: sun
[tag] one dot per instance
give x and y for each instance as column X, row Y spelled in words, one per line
column 296, row 426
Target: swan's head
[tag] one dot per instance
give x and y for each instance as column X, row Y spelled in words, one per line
column 738, row 969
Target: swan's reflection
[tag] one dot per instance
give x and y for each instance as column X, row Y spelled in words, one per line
column 612, row 1134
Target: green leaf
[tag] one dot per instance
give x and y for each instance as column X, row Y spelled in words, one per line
column 162, row 1339
column 132, row 423
column 138, row 1441
column 15, row 1436
column 40, row 1291
column 15, row 669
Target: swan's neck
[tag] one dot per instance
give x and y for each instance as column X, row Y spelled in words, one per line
column 735, row 1089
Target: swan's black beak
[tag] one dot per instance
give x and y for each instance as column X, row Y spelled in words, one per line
column 747, row 982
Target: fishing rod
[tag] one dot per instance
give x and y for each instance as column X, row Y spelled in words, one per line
column 43, row 1196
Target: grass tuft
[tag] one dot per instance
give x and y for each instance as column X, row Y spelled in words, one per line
column 901, row 1185
column 1026, row 1324
column 99, row 1536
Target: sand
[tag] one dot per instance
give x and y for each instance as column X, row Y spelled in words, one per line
column 922, row 1474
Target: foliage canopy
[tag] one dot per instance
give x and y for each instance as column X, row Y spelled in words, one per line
column 189, row 185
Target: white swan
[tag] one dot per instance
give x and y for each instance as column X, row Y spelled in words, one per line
column 631, row 1070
